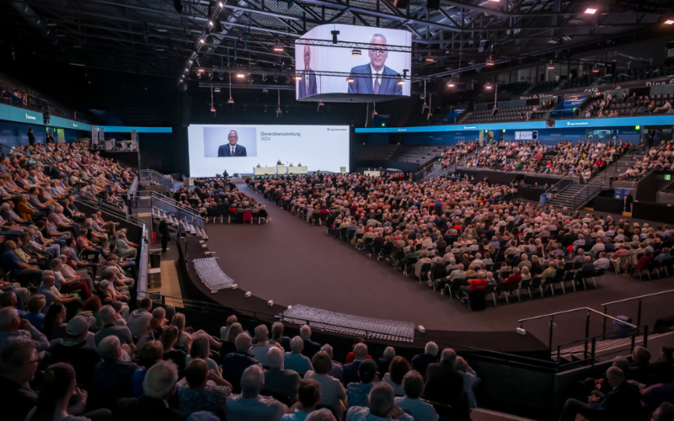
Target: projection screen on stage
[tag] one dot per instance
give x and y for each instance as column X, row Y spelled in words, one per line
column 239, row 148
column 364, row 66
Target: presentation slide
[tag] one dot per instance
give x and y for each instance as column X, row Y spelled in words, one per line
column 239, row 148
column 374, row 71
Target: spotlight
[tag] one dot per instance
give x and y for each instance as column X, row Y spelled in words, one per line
column 278, row 48
column 357, row 52
column 230, row 100
column 551, row 66
column 669, row 22
column 590, row 11
column 487, row 86
column 221, row 4
column 401, row 81
column 429, row 58
column 350, row 79
column 202, row 41
column 216, row 90
column 210, row 23
column 212, row 109
column 489, row 61
column 595, row 69
column 298, row 77
column 240, row 75
column 450, row 84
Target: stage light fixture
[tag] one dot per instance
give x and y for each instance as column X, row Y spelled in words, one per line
column 669, row 22
column 429, row 58
column 489, row 61
column 401, row 81
column 595, row 69
column 298, row 77
column 230, row 100
column 202, row 41
column 278, row 48
column 551, row 66
column 240, row 75
column 450, row 84
column 221, row 4
column 356, row 52
column 488, row 86
column 210, row 23
column 350, row 79
column 590, row 11
column 217, row 90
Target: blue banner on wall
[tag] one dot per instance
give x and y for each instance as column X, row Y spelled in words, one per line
column 68, row 124
column 659, row 120
column 20, row 115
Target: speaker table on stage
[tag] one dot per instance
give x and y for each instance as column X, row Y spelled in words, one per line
column 264, row 170
column 280, row 169
column 298, row 170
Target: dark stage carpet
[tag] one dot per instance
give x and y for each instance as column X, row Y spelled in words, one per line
column 292, row 262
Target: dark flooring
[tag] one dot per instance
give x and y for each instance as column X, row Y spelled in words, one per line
column 292, row 262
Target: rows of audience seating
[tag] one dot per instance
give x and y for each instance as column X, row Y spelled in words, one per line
column 584, row 159
column 524, row 112
column 455, row 153
column 219, row 200
column 460, row 237
column 625, row 104
column 658, row 158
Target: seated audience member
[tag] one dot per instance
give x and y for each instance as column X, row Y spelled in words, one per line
column 168, row 340
column 310, row 347
column 58, row 387
column 230, row 321
column 14, row 329
column 74, row 350
column 469, row 379
column 235, row 363
column 351, row 356
column 228, row 346
column 357, row 393
column 201, row 348
column 112, row 376
column 308, row 396
column 351, row 369
column 198, row 395
column 26, row 274
column 159, row 385
column 109, row 327
column 294, row 360
column 277, row 336
column 332, row 391
column 262, row 345
column 337, row 368
column 18, row 364
column 384, row 362
column 445, row 385
column 641, row 369
column 35, row 316
column 277, row 380
column 397, row 370
column 381, row 407
column 622, row 402
column 54, row 322
column 421, row 361
column 139, row 319
column 413, row 384
column 249, row 405
column 148, row 355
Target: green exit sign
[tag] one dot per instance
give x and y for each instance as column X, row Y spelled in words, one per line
column 668, row 177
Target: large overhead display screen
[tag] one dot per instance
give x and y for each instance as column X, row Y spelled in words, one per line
column 366, row 64
column 240, row 148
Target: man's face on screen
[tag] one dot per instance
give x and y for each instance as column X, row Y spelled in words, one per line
column 233, row 138
column 379, row 53
column 307, row 57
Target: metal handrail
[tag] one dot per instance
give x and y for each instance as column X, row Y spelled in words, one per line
column 521, row 321
column 167, row 201
column 640, row 297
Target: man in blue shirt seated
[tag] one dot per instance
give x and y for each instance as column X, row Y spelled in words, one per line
column 24, row 273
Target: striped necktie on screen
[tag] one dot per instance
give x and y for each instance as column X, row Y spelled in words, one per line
column 376, row 85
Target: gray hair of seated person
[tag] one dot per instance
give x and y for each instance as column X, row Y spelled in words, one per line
column 327, row 348
column 389, row 353
column 252, row 379
column 242, row 342
column 109, row 348
column 160, row 380
column 275, row 357
column 296, row 344
column 431, row 348
column 381, row 399
column 448, row 356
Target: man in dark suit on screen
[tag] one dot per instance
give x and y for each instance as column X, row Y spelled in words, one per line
column 307, row 85
column 382, row 80
column 232, row 149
